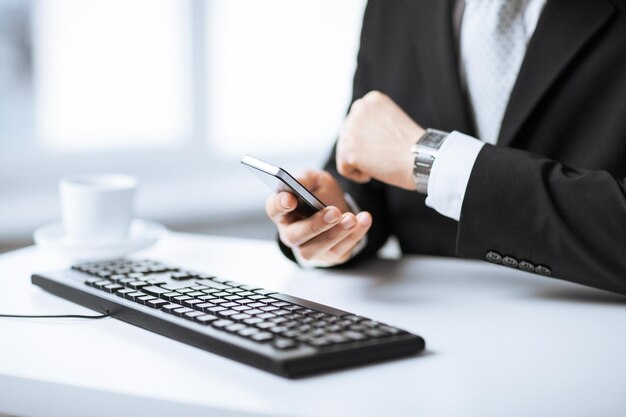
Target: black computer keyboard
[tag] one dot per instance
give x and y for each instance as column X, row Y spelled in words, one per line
column 286, row 335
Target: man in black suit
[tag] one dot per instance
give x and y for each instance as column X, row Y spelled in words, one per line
column 546, row 194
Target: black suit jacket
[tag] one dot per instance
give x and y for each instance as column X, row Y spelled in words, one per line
column 552, row 192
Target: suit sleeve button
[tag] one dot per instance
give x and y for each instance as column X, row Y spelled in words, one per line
column 509, row 261
column 526, row 266
column 494, row 257
column 543, row 270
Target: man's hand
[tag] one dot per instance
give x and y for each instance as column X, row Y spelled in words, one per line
column 327, row 237
column 376, row 142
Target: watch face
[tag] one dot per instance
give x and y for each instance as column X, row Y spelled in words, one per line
column 433, row 140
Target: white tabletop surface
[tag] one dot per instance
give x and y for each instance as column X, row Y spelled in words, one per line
column 499, row 343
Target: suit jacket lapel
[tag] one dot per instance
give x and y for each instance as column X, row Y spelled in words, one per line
column 564, row 27
column 431, row 27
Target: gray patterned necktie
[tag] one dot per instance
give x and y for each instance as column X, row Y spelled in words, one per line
column 493, row 44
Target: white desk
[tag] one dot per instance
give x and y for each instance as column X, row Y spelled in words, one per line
column 500, row 343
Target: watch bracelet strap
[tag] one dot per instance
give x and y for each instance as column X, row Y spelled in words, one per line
column 425, row 151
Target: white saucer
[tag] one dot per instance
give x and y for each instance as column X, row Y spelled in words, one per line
column 142, row 234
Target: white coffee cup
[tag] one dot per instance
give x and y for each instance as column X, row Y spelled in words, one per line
column 97, row 208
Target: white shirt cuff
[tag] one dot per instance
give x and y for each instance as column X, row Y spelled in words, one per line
column 355, row 251
column 450, row 174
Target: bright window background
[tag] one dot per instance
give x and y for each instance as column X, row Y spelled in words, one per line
column 111, row 74
column 278, row 73
column 172, row 91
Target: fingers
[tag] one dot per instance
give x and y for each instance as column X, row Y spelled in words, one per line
column 298, row 232
column 336, row 244
column 342, row 251
column 280, row 204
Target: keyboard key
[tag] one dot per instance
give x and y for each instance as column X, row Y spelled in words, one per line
column 181, row 298
column 229, row 305
column 284, row 344
column 267, row 300
column 253, row 311
column 205, row 318
column 248, row 331
column 216, row 309
column 145, row 299
column 101, row 283
column 169, row 308
column 184, row 290
column 137, row 284
column 279, row 320
column 239, row 308
column 265, row 316
column 390, row 330
column 319, row 342
column 221, row 294
column 135, row 295
column 204, row 306
column 265, row 292
column 256, row 305
column 235, row 327
column 221, row 323
column 169, row 296
column 227, row 313
column 262, row 337
column 233, row 297
column 193, row 314
column 156, row 303
column 193, row 302
column 253, row 320
column 181, row 311
column 233, row 290
column 376, row 333
column 352, row 335
column 92, row 281
column 245, row 301
column 196, row 294
column 245, row 293
column 281, row 304
column 336, row 338
column 265, row 324
column 112, row 287
column 240, row 317
column 154, row 290
column 268, row 308
column 180, row 276
column 277, row 329
column 256, row 297
column 280, row 312
column 124, row 292
column 206, row 297
column 157, row 282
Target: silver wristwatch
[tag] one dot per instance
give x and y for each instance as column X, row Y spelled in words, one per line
column 425, row 150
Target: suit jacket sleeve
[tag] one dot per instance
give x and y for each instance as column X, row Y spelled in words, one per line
column 370, row 197
column 531, row 208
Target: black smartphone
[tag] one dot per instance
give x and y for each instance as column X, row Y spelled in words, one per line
column 280, row 180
